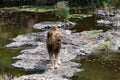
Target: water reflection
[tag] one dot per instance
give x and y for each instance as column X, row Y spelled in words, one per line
column 100, row 67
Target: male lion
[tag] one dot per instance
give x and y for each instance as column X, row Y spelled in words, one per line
column 53, row 44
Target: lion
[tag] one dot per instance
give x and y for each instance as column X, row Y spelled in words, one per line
column 53, row 44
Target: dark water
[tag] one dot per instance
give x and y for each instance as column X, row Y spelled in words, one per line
column 88, row 24
column 13, row 24
column 100, row 67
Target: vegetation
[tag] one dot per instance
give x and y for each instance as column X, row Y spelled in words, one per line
column 6, row 77
column 93, row 3
column 79, row 15
column 104, row 47
column 108, row 38
column 93, row 32
column 27, row 8
column 61, row 6
column 107, row 57
column 62, row 10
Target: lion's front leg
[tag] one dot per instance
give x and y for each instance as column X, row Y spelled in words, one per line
column 57, row 60
column 51, row 60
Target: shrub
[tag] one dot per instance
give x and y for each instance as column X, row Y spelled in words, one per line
column 62, row 10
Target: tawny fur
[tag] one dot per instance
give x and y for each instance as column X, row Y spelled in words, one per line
column 53, row 44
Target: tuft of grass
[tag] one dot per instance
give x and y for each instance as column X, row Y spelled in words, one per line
column 108, row 38
column 93, row 32
column 6, row 77
column 104, row 47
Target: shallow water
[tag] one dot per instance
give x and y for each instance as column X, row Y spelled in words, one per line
column 13, row 24
column 100, row 67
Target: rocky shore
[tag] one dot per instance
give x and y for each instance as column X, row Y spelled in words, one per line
column 111, row 18
column 74, row 46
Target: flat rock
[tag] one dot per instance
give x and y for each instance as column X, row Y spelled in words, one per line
column 67, row 70
column 48, row 25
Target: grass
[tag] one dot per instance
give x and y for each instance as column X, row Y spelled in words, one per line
column 107, row 57
column 104, row 46
column 79, row 15
column 108, row 38
column 6, row 77
column 28, row 8
column 93, row 32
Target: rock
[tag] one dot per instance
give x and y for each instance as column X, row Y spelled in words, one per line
column 32, row 39
column 22, row 44
column 48, row 25
column 110, row 18
column 31, row 64
column 104, row 22
column 105, row 13
column 40, row 77
column 62, row 73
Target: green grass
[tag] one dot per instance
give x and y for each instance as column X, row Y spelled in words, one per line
column 6, row 77
column 104, row 46
column 79, row 15
column 93, row 32
column 28, row 8
column 107, row 57
column 108, row 38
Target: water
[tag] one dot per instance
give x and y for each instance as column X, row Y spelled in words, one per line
column 89, row 24
column 13, row 24
column 100, row 67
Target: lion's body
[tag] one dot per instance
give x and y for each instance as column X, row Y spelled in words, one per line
column 53, row 44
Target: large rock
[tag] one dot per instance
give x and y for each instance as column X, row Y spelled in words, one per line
column 48, row 25
column 63, row 73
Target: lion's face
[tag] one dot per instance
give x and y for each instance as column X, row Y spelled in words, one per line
column 55, row 35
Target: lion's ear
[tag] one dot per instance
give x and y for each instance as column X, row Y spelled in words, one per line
column 49, row 34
